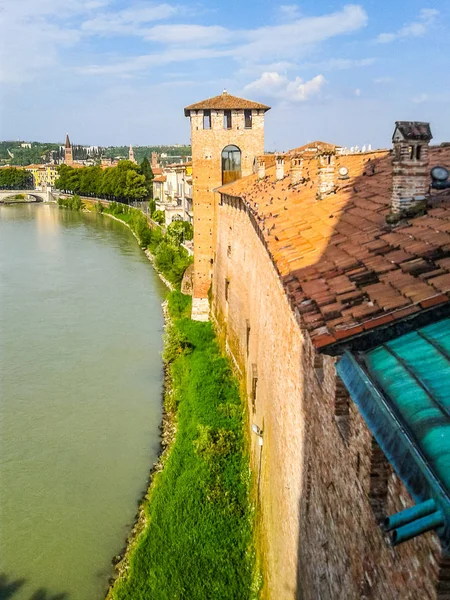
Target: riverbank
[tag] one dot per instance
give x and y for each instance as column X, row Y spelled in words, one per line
column 194, row 531
column 194, row 536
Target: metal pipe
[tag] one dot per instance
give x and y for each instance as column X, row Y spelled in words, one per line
column 408, row 515
column 410, row 530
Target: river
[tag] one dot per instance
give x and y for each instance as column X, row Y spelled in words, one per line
column 80, row 397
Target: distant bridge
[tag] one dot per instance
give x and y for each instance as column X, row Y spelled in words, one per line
column 34, row 195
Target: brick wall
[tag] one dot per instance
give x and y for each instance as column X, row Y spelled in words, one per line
column 324, row 482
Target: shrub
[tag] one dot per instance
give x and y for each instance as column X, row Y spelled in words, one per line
column 151, row 207
column 159, row 217
column 99, row 207
column 179, row 305
column 179, row 231
column 74, row 203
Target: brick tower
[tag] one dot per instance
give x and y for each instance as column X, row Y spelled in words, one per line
column 68, row 152
column 227, row 134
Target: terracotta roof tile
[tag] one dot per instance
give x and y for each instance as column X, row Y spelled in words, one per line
column 225, row 101
column 343, row 266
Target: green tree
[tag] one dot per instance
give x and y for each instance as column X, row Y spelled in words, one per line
column 15, row 179
column 179, row 231
column 146, row 170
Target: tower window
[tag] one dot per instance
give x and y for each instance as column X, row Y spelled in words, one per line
column 227, row 288
column 206, row 119
column 247, row 118
column 418, row 150
column 227, row 119
column 231, row 164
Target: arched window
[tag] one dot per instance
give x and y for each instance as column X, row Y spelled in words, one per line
column 231, row 164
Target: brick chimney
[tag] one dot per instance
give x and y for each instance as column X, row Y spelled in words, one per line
column 410, row 166
column 279, row 161
column 326, row 173
column 296, row 170
column 261, row 168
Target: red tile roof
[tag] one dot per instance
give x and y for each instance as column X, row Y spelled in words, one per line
column 225, row 101
column 345, row 270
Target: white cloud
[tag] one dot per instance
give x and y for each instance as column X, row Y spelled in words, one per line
column 142, row 63
column 290, row 41
column 130, row 21
column 283, row 43
column 420, row 99
column 32, row 39
column 275, row 85
column 383, row 80
column 418, row 28
column 357, row 92
column 289, row 12
column 188, row 34
column 339, row 64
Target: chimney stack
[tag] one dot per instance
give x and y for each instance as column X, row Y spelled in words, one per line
column 326, row 174
column 410, row 166
column 296, row 170
column 261, row 168
column 279, row 160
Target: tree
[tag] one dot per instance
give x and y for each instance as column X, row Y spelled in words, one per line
column 15, row 179
column 179, row 231
column 146, row 170
column 124, row 182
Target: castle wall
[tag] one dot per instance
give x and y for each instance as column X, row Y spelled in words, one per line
column 324, row 483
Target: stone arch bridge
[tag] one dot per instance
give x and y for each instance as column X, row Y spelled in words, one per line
column 33, row 195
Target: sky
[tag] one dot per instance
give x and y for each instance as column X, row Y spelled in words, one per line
column 113, row 72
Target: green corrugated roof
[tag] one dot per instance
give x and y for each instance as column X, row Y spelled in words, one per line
column 413, row 372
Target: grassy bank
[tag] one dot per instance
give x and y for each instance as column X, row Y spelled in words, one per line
column 197, row 543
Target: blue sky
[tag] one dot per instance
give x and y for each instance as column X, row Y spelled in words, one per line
column 120, row 72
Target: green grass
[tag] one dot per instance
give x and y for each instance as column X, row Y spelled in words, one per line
column 198, row 543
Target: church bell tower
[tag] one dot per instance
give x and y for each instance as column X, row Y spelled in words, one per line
column 68, row 152
column 227, row 134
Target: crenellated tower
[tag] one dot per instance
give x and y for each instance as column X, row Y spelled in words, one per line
column 227, row 135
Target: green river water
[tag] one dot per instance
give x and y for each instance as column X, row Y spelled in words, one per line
column 80, row 397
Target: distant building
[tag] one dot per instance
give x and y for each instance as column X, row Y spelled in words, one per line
column 172, row 191
column 43, row 175
column 131, row 155
column 109, row 162
column 68, row 152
